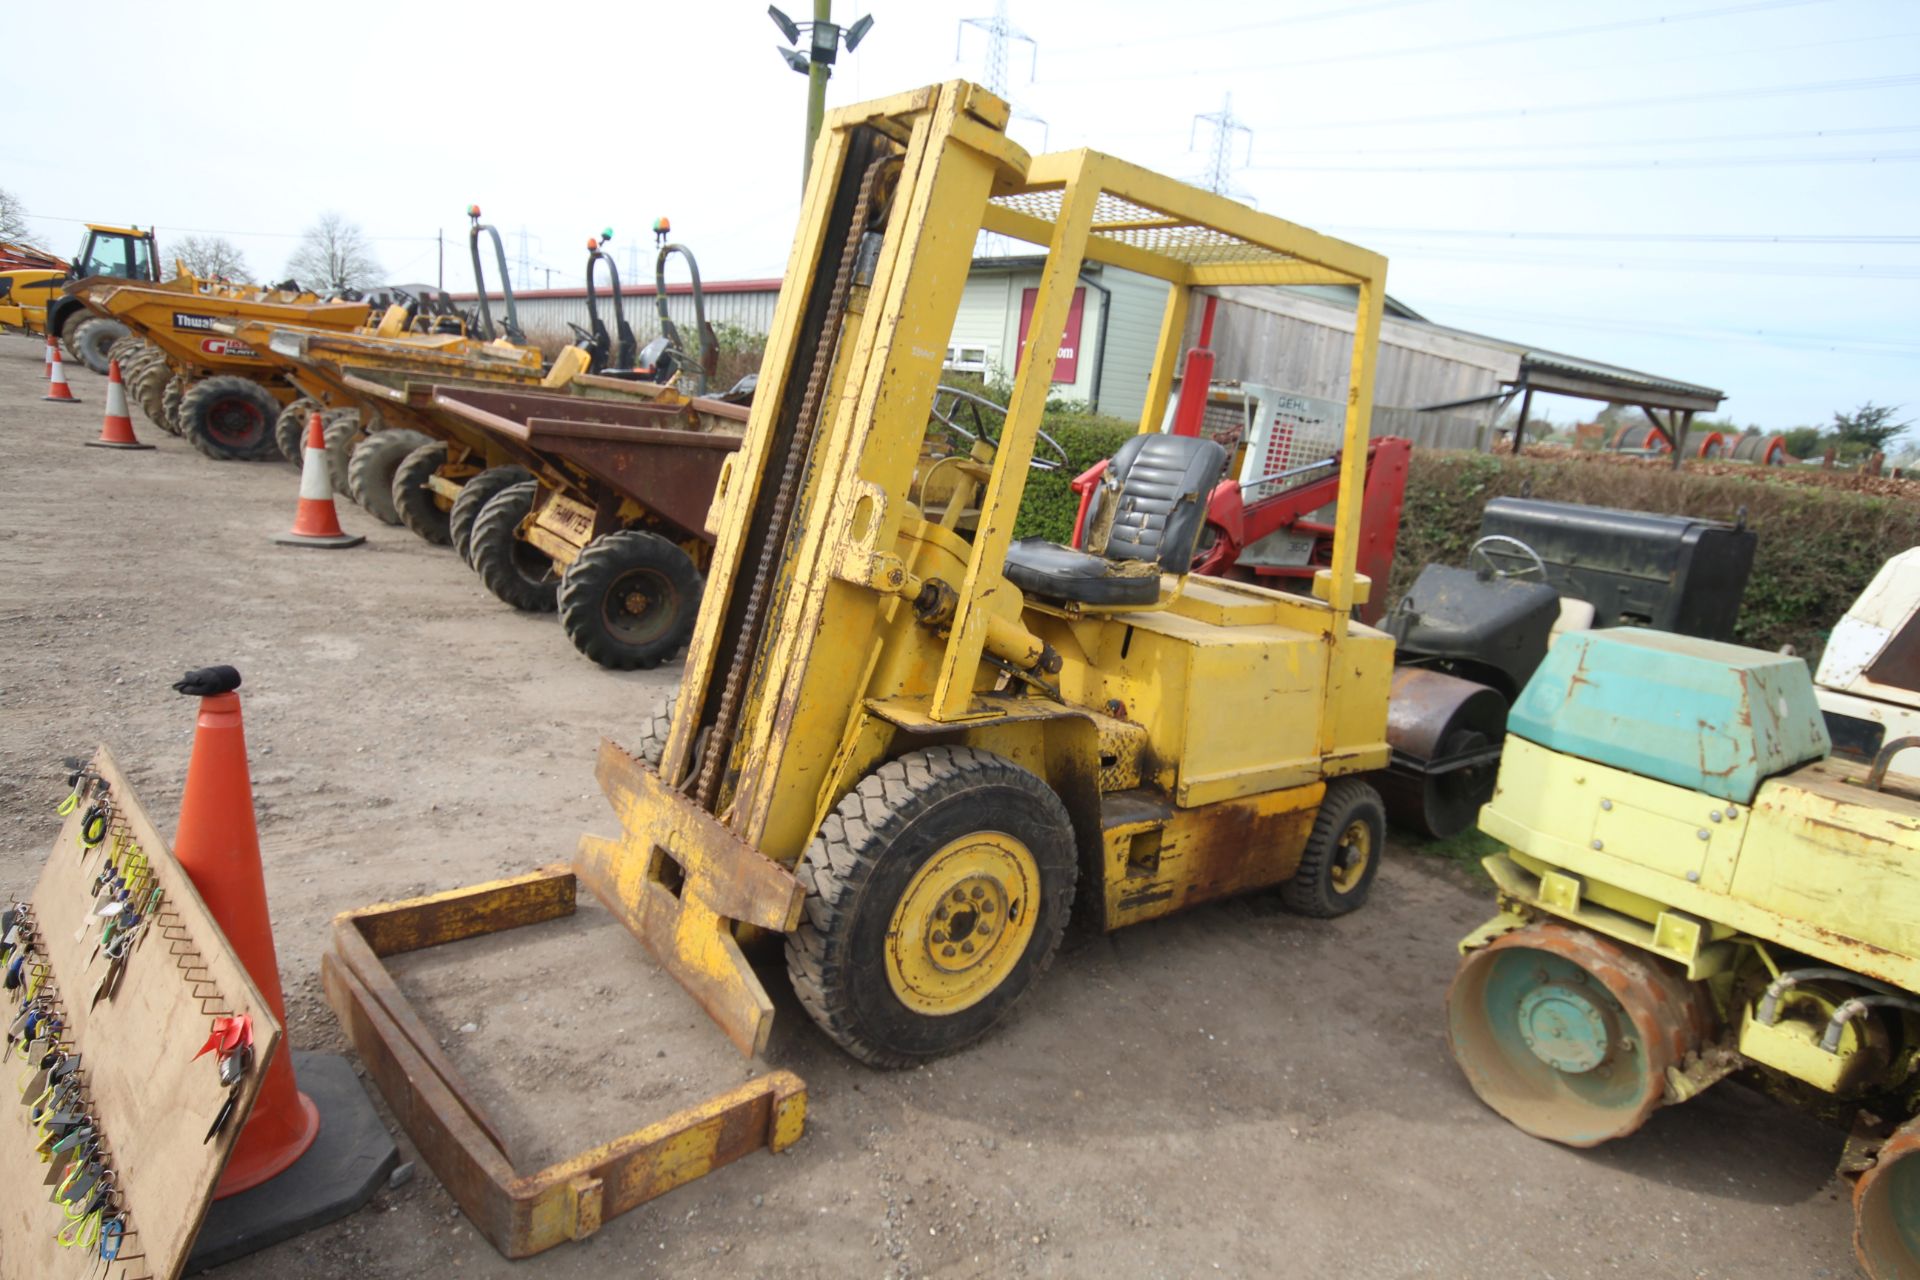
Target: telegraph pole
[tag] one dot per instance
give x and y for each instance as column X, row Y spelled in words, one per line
column 823, row 41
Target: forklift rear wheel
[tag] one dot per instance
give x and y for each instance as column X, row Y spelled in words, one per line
column 290, row 429
column 518, row 572
column 473, row 498
column 370, row 470
column 229, row 418
column 419, row 509
column 1343, row 852
column 630, row 599
column 936, row 894
column 170, row 399
column 1886, row 1207
column 342, row 430
column 1568, row 1034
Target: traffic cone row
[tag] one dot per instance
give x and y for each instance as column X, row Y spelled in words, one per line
column 57, row 389
column 315, row 521
column 116, row 428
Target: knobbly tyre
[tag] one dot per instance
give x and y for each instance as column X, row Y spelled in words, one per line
column 1694, row 887
column 32, row 297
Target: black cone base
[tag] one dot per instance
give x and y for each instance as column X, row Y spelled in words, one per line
column 346, row 1164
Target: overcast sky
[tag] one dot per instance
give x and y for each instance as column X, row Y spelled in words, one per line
column 1644, row 152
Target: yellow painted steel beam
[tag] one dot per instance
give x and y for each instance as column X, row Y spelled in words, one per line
column 1114, row 253
column 999, row 505
column 1166, row 359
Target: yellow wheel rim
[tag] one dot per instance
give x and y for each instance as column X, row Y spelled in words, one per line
column 1352, row 855
column 963, row 923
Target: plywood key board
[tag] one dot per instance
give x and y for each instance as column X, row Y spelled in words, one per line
column 150, row 1100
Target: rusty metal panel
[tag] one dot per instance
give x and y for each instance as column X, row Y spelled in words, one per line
column 524, row 1214
column 672, row 473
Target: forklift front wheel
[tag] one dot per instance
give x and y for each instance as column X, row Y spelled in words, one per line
column 937, row 891
column 1343, row 852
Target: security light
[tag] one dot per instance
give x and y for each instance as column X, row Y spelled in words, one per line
column 788, row 27
column 858, row 32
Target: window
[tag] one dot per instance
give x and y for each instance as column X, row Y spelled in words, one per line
column 967, row 359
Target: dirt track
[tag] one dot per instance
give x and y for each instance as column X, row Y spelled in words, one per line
column 1235, row 1092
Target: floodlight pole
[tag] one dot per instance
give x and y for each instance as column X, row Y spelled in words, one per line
column 817, row 75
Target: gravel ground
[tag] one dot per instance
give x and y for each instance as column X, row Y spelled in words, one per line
column 1235, row 1091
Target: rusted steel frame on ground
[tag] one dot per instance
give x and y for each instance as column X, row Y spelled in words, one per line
column 523, row 1214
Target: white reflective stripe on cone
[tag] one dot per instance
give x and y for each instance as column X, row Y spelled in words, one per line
column 316, row 482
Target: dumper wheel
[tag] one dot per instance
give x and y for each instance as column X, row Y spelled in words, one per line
column 1343, row 852
column 370, row 470
column 652, row 747
column 290, row 429
column 1568, row 1034
column 149, row 386
column 229, row 419
column 89, row 340
column 518, row 572
column 170, row 403
column 417, row 505
column 630, row 599
column 936, row 894
column 473, row 498
column 124, row 349
column 342, row 430
column 1886, row 1207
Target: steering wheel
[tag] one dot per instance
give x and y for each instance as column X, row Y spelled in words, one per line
column 949, row 403
column 583, row 337
column 1478, row 549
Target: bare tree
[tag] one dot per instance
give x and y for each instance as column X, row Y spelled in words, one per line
column 335, row 255
column 208, row 257
column 13, row 218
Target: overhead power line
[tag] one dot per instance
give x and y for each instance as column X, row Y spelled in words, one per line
column 1638, row 237
column 1781, row 338
column 1583, row 166
column 1214, row 33
column 1635, row 143
column 1477, row 42
column 1694, row 266
column 1858, row 84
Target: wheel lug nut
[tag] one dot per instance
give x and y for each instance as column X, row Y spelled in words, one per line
column 939, row 936
column 940, row 913
column 967, row 947
column 985, row 931
column 948, row 952
column 986, row 908
column 959, row 895
column 978, row 893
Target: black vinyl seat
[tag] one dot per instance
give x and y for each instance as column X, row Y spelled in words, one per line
column 1158, row 485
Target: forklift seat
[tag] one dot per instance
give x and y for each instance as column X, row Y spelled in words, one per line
column 1158, row 484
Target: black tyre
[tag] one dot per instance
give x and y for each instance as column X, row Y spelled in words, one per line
column 343, row 430
column 370, row 470
column 87, row 341
column 229, row 419
column 1343, row 852
column 290, row 429
column 937, row 892
column 419, row 509
column 630, row 600
column 148, row 387
column 518, row 572
column 652, row 747
column 170, row 399
column 474, row 496
column 124, row 349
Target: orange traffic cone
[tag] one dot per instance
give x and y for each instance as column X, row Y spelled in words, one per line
column 315, row 521
column 57, row 388
column 218, row 846
column 116, row 429
column 46, row 358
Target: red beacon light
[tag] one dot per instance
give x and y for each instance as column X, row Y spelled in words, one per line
column 473, row 211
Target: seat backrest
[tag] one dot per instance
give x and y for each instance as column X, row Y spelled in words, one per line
column 1160, row 483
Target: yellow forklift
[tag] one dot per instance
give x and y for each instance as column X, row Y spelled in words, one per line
column 914, row 750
